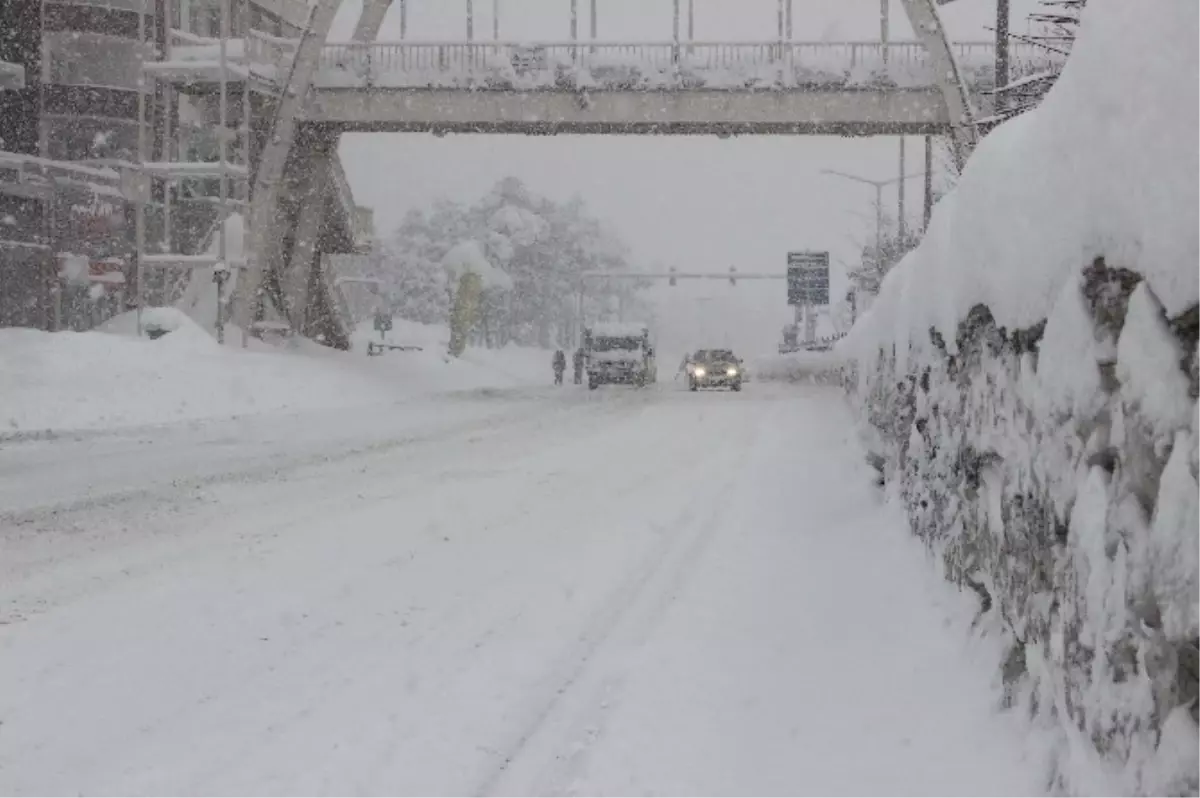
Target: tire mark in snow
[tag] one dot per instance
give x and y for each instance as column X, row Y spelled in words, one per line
column 163, row 511
column 637, row 602
column 258, row 472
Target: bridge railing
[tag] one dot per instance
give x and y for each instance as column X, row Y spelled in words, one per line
column 730, row 65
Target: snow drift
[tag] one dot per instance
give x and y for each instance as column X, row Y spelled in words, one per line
column 108, row 379
column 1028, row 379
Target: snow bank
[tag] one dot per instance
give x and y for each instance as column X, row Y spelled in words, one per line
column 1028, row 382
column 104, row 380
column 511, row 364
column 199, row 299
column 1106, row 166
column 797, row 366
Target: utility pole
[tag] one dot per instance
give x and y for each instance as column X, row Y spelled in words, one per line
column 879, row 221
column 879, row 186
column 900, row 194
column 675, row 32
column 139, row 219
column 470, row 20
column 883, row 28
column 1002, row 21
column 495, row 20
column 593, row 20
column 691, row 20
column 403, row 19
column 928, row 182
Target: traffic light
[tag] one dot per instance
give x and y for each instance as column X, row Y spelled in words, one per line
column 672, row 272
column 733, row 275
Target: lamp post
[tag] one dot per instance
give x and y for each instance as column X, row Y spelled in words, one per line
column 1003, row 15
column 879, row 186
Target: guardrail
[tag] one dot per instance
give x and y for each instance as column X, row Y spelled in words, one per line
column 653, row 64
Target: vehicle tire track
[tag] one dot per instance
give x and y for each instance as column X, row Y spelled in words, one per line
column 633, row 609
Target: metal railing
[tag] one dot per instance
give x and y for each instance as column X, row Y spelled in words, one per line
column 683, row 64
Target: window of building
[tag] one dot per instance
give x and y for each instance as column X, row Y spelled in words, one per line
column 79, row 138
column 93, row 59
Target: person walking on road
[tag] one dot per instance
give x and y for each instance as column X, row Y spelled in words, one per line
column 578, row 366
column 560, row 365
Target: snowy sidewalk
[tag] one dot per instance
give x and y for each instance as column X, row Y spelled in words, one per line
column 614, row 592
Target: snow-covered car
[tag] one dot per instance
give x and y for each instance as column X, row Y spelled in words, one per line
column 715, row 368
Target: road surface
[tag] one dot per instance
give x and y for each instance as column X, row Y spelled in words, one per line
column 542, row 591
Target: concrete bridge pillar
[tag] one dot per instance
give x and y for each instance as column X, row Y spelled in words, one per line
column 312, row 204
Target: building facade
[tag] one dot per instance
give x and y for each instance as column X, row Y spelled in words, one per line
column 70, row 131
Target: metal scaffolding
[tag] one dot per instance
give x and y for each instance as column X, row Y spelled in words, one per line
column 169, row 171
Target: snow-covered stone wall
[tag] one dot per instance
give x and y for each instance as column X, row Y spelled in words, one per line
column 1066, row 499
column 1027, row 381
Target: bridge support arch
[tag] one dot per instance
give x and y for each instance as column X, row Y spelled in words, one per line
column 927, row 26
column 268, row 220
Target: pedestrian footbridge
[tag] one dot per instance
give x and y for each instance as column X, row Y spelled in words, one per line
column 722, row 88
column 319, row 89
column 843, row 88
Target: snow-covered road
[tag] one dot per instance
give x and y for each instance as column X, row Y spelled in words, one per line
column 508, row 592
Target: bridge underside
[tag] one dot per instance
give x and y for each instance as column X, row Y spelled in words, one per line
column 864, row 112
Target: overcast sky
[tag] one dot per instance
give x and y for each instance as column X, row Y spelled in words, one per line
column 698, row 202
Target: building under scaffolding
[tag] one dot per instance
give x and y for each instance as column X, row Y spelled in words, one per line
column 107, row 154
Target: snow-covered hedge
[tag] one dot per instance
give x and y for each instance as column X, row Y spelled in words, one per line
column 1028, row 380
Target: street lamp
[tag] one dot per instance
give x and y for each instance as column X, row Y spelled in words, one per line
column 879, row 186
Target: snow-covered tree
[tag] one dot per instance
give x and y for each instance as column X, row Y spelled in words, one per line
column 879, row 257
column 540, row 246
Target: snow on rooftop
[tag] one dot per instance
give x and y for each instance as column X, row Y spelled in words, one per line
column 1105, row 166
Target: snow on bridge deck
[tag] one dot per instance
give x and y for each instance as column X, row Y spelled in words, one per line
column 614, row 65
column 655, row 65
column 694, row 88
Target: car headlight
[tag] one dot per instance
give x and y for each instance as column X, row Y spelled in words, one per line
column 699, row 372
column 731, row 372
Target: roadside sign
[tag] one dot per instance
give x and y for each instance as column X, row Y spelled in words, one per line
column 808, row 278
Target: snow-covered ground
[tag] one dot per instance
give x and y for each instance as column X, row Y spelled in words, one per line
column 528, row 590
column 111, row 379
